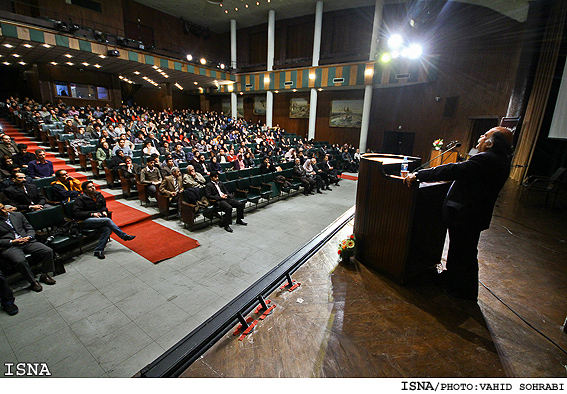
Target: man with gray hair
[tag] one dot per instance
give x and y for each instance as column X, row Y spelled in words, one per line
column 467, row 209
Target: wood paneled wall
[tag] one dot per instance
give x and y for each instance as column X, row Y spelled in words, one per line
column 111, row 20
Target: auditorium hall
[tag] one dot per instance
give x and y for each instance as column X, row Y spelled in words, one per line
column 336, row 129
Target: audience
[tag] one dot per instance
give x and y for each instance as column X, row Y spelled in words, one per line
column 24, row 196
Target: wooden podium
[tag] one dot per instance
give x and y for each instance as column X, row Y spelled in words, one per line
column 437, row 158
column 399, row 230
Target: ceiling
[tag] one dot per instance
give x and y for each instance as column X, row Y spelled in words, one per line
column 32, row 52
column 197, row 11
column 210, row 13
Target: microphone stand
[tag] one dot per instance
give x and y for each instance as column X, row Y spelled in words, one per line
column 453, row 146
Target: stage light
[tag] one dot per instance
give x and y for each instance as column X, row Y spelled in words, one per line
column 189, row 58
column 385, row 58
column 222, row 66
column 395, row 41
column 414, row 51
column 74, row 27
column 203, row 61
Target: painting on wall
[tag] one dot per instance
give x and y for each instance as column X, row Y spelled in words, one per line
column 298, row 108
column 346, row 113
column 227, row 111
column 259, row 105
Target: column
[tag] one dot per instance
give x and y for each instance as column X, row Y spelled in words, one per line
column 271, row 39
column 166, row 98
column 368, row 88
column 315, row 63
column 233, row 99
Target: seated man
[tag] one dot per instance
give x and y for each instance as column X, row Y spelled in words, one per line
column 7, row 297
column 151, row 176
column 40, row 168
column 311, row 173
column 65, row 188
column 91, row 209
column 167, row 167
column 17, row 238
column 307, row 182
column 216, row 191
column 23, row 157
column 117, row 162
column 123, row 147
column 329, row 170
column 172, row 185
column 130, row 171
column 24, row 196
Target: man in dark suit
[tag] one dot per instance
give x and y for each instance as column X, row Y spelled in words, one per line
column 26, row 197
column 17, row 238
column 216, row 191
column 467, row 209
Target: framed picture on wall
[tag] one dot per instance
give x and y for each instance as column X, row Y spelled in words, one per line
column 227, row 108
column 298, row 108
column 346, row 113
column 259, row 105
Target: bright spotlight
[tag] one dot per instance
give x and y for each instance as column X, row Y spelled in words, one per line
column 385, row 58
column 395, row 41
column 414, row 51
column 189, row 58
column 203, row 61
column 395, row 54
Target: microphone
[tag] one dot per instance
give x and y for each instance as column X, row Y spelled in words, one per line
column 451, row 145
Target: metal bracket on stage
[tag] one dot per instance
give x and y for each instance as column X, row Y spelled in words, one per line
column 291, row 284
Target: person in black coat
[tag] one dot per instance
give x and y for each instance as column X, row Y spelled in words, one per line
column 467, row 209
column 25, row 197
column 216, row 191
column 17, row 238
column 90, row 208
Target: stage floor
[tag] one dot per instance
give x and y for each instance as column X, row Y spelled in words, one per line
column 349, row 321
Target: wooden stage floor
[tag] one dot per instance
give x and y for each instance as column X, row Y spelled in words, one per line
column 349, row 321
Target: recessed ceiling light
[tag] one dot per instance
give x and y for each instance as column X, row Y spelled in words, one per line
column 97, row 65
column 6, row 63
column 22, row 63
column 8, row 46
column 68, row 55
column 102, row 56
column 47, row 45
column 155, row 67
column 137, row 72
column 277, row 91
column 69, row 63
column 86, row 64
column 54, row 63
column 320, row 89
column 15, row 55
column 196, row 83
column 27, row 45
column 294, row 90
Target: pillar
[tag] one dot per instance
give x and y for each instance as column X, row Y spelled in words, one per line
column 271, row 39
column 315, row 63
column 233, row 101
column 368, row 88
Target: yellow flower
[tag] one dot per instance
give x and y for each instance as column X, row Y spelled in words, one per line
column 350, row 244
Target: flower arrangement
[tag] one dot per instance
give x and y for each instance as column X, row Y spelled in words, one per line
column 347, row 248
column 438, row 144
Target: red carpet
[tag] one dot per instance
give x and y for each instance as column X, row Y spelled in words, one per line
column 153, row 242
column 349, row 177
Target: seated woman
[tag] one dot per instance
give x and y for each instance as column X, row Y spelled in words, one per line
column 248, row 160
column 239, row 163
column 214, row 165
column 102, row 154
